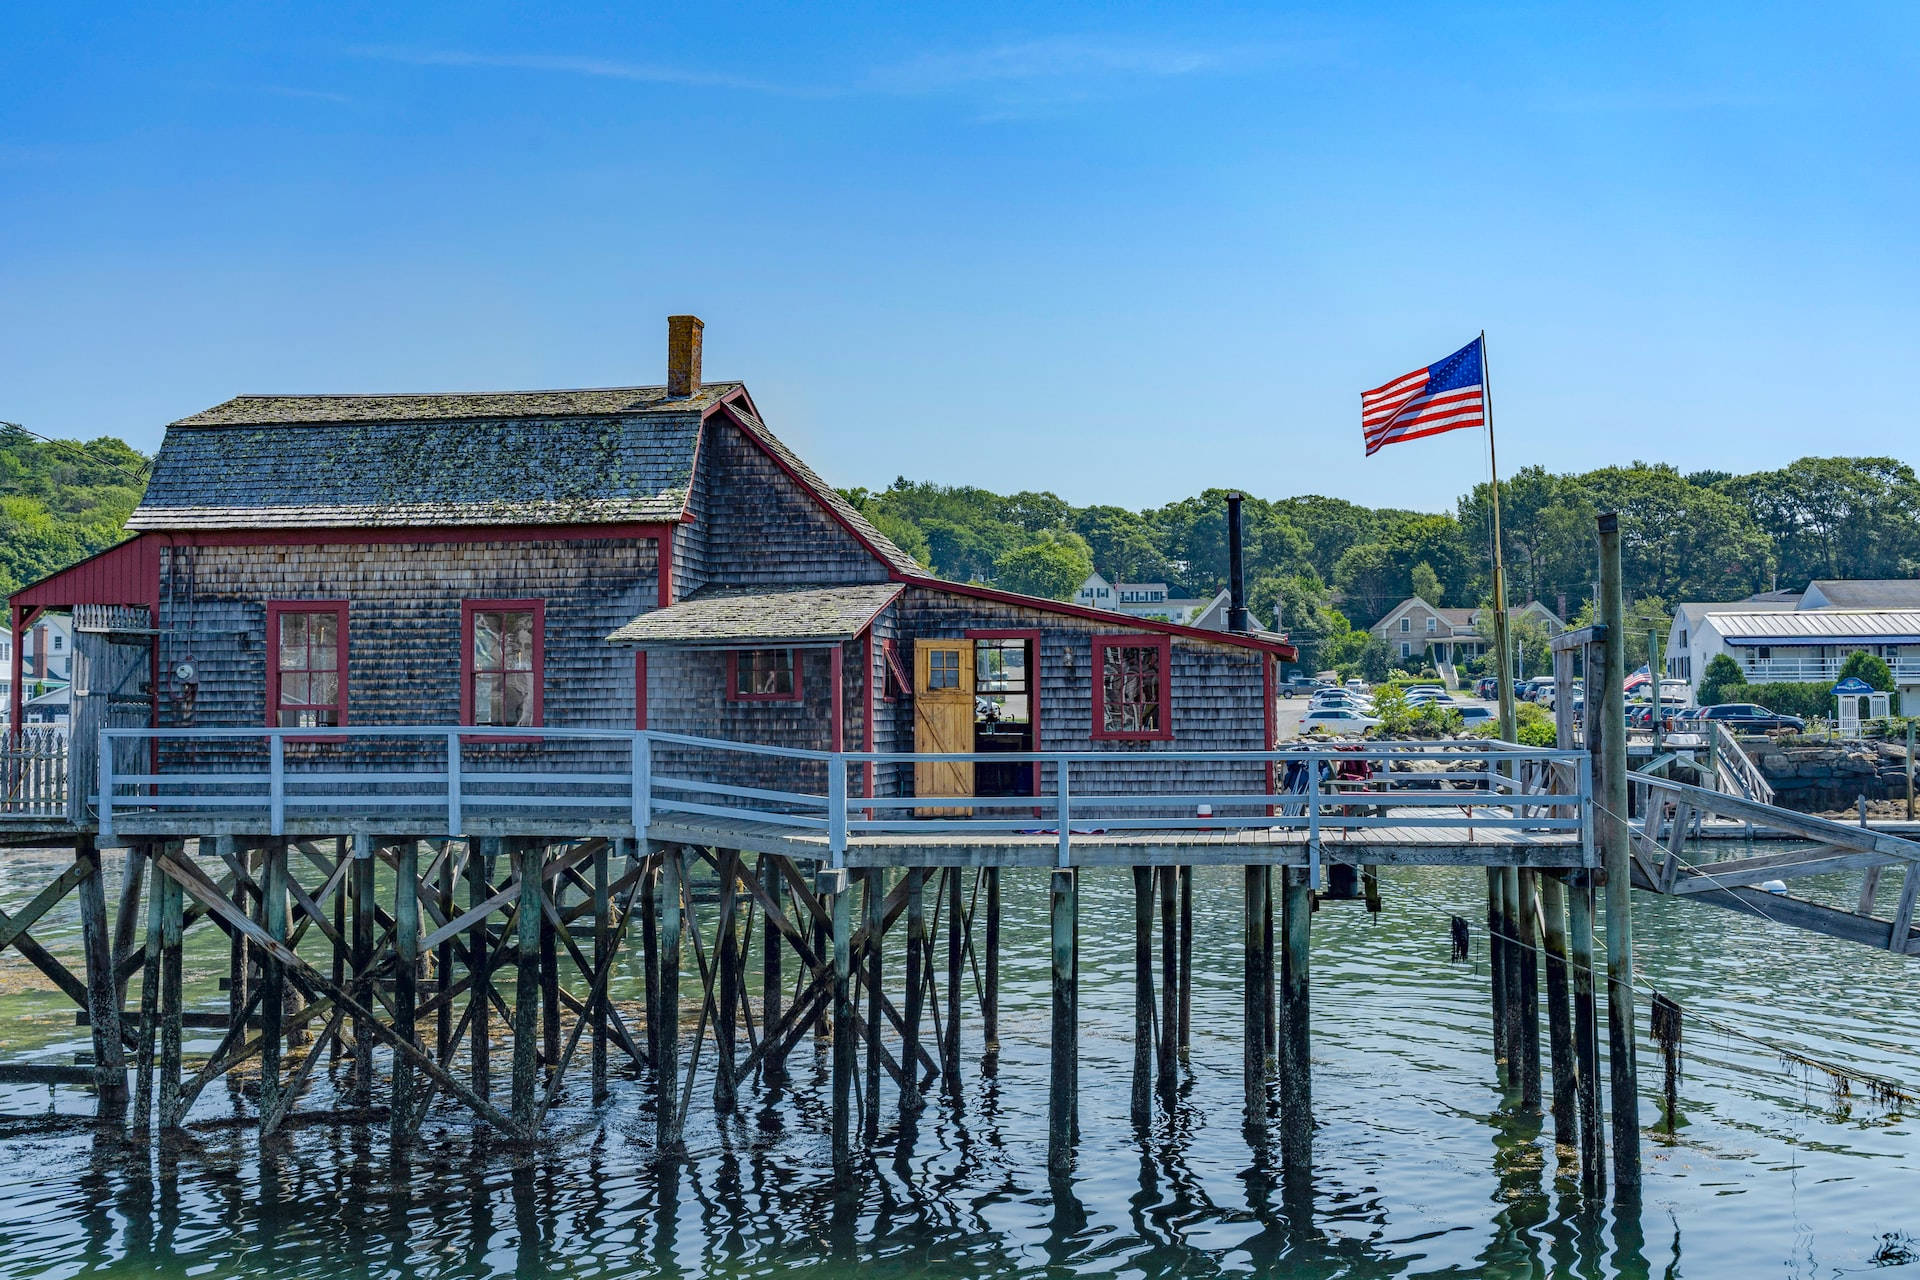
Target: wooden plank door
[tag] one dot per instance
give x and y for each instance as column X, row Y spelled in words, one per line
column 943, row 718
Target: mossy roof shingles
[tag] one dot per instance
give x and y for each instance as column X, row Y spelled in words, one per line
column 727, row 618
column 546, row 457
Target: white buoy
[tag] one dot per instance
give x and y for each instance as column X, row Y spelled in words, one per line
column 1774, row 886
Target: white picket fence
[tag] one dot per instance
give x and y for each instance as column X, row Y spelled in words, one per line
column 33, row 771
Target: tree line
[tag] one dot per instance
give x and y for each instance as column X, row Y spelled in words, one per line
column 1325, row 569
column 61, row 501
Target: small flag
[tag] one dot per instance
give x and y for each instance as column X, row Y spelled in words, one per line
column 1444, row 396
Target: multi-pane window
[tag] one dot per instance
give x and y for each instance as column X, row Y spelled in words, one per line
column 943, row 669
column 1130, row 687
column 307, row 684
column 999, row 680
column 503, row 661
column 764, row 675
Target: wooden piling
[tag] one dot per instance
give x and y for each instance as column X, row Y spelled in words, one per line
column 1062, row 1094
column 1169, row 1043
column 406, row 970
column 149, row 1015
column 1497, row 969
column 360, row 880
column 917, row 959
column 1613, row 838
column 956, row 935
column 843, row 1041
column 1296, row 1078
column 990, row 978
column 480, row 863
column 1553, row 910
column 443, row 959
column 1253, row 1056
column 1511, row 967
column 1185, row 1044
column 550, row 974
column 1586, row 1031
column 876, row 921
column 1527, row 951
column 773, row 1061
column 602, row 951
column 171, row 1001
column 666, row 1073
column 273, row 974
column 650, row 950
column 529, row 857
column 1142, row 996
column 103, row 1004
column 726, row 960
column 126, row 919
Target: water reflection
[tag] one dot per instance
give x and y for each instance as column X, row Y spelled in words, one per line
column 1422, row 1167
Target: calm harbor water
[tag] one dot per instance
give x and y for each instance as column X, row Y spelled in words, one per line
column 1421, row 1168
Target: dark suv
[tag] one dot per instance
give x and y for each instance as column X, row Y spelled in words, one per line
column 1748, row 715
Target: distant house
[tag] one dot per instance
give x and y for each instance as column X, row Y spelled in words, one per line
column 1456, row 635
column 45, row 654
column 1803, row 637
column 1153, row 601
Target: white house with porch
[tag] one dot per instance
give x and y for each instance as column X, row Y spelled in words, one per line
column 1455, row 635
column 1805, row 640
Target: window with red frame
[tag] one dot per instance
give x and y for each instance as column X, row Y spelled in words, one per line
column 1130, row 694
column 763, row 675
column 307, row 664
column 503, row 664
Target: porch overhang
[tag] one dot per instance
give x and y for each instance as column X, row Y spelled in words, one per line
column 803, row 617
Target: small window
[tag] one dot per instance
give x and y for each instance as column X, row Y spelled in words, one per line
column 1433, row 625
column 1131, row 698
column 763, row 675
column 306, row 664
column 943, row 669
column 1406, row 650
column 58, row 641
column 1406, row 624
column 503, row 662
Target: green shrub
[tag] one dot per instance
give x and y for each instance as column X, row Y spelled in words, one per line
column 1808, row 701
column 1723, row 682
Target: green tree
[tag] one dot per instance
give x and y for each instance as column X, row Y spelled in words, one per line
column 1836, row 517
column 1723, row 681
column 1053, row 567
column 1868, row 667
column 1426, row 584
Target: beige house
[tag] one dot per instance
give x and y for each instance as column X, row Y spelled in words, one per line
column 1455, row 635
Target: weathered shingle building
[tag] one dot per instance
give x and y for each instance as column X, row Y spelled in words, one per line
column 616, row 558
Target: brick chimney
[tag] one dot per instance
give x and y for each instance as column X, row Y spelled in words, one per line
column 683, row 356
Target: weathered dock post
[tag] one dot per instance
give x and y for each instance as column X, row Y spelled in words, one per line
column 480, row 863
column 1586, row 1032
column 666, row 1069
column 1142, row 996
column 876, row 923
column 529, row 857
column 103, row 1001
column 273, row 1001
column 1253, row 1055
column 726, row 961
column 1497, row 968
column 843, row 1035
column 172, row 1005
column 956, row 942
column 443, row 956
column 602, row 959
column 1169, row 1044
column 990, row 978
column 1553, row 910
column 1527, row 994
column 773, row 1058
column 1186, row 962
column 917, row 958
column 550, row 899
column 1296, row 1078
column 149, row 1027
column 1062, row 1093
column 406, row 968
column 1610, row 825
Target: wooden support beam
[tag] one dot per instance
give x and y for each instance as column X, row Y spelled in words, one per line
column 726, row 959
column 1527, row 953
column 1253, row 1056
column 1062, row 1089
column 1167, row 1057
column 1586, row 1032
column 917, row 958
column 1497, row 969
column 126, row 919
column 406, row 967
column 360, row 877
column 1553, row 913
column 103, row 1001
column 444, row 957
column 172, row 1003
column 480, row 905
column 1142, row 997
column 1185, row 1038
column 551, row 895
column 667, row 1062
column 773, row 1068
column 149, row 1024
column 602, row 957
column 990, row 989
column 529, row 854
column 273, row 1003
column 843, row 1041
column 1296, row 1080
column 956, row 930
column 873, row 896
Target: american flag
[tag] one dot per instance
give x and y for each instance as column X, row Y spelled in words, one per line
column 1444, row 396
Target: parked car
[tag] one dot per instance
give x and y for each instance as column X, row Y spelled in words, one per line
column 1357, row 685
column 1428, row 698
column 1751, row 716
column 1337, row 720
column 1487, row 687
column 1474, row 717
column 1300, row 683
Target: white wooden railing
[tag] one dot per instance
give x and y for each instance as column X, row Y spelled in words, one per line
column 1811, row 670
column 33, row 771
column 451, row 776
column 1736, row 770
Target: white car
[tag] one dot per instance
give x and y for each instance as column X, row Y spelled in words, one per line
column 1427, row 699
column 1347, row 701
column 1473, row 715
column 1338, row 719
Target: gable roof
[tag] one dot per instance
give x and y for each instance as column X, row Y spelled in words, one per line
column 717, row 618
column 1863, row 593
column 825, row 494
column 1114, row 619
column 616, row 455
column 1818, row 626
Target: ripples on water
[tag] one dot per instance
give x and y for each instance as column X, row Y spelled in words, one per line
column 1420, row 1170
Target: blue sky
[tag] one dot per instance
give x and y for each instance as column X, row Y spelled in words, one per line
column 1123, row 252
